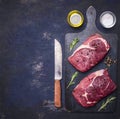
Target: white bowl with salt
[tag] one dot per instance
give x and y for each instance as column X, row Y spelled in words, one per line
column 107, row 19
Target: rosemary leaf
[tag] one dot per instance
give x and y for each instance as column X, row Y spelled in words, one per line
column 73, row 43
column 72, row 83
column 104, row 104
column 72, row 79
column 112, row 98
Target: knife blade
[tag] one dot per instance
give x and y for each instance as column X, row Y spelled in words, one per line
column 58, row 73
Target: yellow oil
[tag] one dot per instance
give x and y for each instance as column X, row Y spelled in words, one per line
column 75, row 18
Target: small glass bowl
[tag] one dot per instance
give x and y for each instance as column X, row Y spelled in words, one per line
column 107, row 19
column 77, row 16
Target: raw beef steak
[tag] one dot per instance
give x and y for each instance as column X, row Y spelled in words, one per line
column 93, row 88
column 89, row 53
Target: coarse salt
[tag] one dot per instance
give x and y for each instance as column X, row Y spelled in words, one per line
column 107, row 19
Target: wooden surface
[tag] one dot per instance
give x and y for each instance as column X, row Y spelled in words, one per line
column 57, row 98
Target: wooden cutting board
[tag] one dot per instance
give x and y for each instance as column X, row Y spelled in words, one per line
column 112, row 39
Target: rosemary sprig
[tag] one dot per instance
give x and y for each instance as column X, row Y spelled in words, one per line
column 72, row 79
column 104, row 104
column 73, row 43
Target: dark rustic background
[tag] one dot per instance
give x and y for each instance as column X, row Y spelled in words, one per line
column 27, row 32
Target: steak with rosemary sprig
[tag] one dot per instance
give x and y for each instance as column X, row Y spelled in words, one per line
column 90, row 53
column 93, row 88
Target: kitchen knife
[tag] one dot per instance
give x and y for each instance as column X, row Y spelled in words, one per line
column 58, row 73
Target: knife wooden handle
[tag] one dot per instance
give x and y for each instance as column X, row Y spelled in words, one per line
column 57, row 94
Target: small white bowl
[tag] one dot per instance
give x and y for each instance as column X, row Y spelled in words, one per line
column 107, row 19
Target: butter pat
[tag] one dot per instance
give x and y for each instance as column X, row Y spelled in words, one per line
column 107, row 19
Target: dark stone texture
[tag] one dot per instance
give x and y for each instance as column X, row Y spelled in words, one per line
column 27, row 32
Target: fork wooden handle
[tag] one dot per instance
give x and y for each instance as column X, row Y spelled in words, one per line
column 57, row 94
